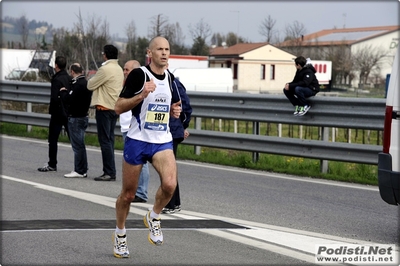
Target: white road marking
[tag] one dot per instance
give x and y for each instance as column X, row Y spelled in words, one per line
column 290, row 242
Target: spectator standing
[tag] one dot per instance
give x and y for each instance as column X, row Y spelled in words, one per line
column 148, row 139
column 78, row 101
column 106, row 85
column 178, row 127
column 57, row 111
column 303, row 86
column 125, row 121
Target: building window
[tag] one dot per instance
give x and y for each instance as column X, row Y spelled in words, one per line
column 272, row 72
column 262, row 76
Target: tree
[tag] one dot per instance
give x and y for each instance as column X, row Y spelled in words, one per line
column 294, row 34
column 366, row 59
column 342, row 63
column 158, row 26
column 68, row 44
column 136, row 47
column 217, row 39
column 199, row 47
column 267, row 28
column 131, row 43
column 142, row 45
column 43, row 46
column 93, row 35
column 199, row 34
column 232, row 39
column 174, row 34
column 23, row 29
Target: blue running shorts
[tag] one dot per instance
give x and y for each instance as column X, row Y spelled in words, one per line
column 139, row 152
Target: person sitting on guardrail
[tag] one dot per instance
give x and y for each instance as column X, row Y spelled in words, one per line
column 304, row 85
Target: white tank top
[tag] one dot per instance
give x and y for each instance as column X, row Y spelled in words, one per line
column 152, row 123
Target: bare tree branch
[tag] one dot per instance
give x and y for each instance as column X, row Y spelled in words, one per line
column 267, row 28
column 201, row 30
column 366, row 59
column 158, row 24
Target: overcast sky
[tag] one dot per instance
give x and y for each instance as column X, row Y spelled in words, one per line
column 242, row 17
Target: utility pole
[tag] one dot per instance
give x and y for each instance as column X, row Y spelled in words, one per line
column 344, row 20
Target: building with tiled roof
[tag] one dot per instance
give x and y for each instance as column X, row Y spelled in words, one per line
column 381, row 40
column 347, row 36
column 256, row 67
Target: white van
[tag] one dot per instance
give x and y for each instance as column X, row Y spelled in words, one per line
column 205, row 79
column 28, row 74
column 389, row 158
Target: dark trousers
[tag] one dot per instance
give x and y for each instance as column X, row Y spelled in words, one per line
column 299, row 95
column 55, row 127
column 176, row 199
column 77, row 127
column 106, row 121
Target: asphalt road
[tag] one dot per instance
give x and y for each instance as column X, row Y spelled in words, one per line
column 229, row 216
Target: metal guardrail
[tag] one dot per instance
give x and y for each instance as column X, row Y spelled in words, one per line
column 338, row 112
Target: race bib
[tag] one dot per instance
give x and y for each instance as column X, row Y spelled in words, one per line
column 157, row 117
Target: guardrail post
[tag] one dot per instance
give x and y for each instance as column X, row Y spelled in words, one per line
column 256, row 131
column 197, row 125
column 29, row 110
column 325, row 137
column 280, row 130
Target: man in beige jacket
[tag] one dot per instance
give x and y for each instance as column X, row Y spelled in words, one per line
column 106, row 85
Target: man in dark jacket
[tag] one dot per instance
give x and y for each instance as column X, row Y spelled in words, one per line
column 179, row 133
column 303, row 86
column 58, row 116
column 78, row 101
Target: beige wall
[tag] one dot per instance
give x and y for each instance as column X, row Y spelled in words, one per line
column 249, row 70
column 249, row 76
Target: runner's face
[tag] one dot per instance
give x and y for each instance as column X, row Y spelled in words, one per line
column 159, row 52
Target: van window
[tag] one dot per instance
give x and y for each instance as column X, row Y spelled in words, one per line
column 29, row 76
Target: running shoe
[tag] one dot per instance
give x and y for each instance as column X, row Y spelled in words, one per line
column 120, row 246
column 168, row 211
column 296, row 110
column 304, row 110
column 155, row 236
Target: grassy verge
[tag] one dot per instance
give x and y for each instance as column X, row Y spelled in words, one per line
column 340, row 171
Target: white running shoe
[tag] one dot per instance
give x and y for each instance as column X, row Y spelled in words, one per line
column 155, row 236
column 304, row 110
column 74, row 174
column 120, row 246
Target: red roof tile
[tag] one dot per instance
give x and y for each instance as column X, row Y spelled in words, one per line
column 236, row 49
